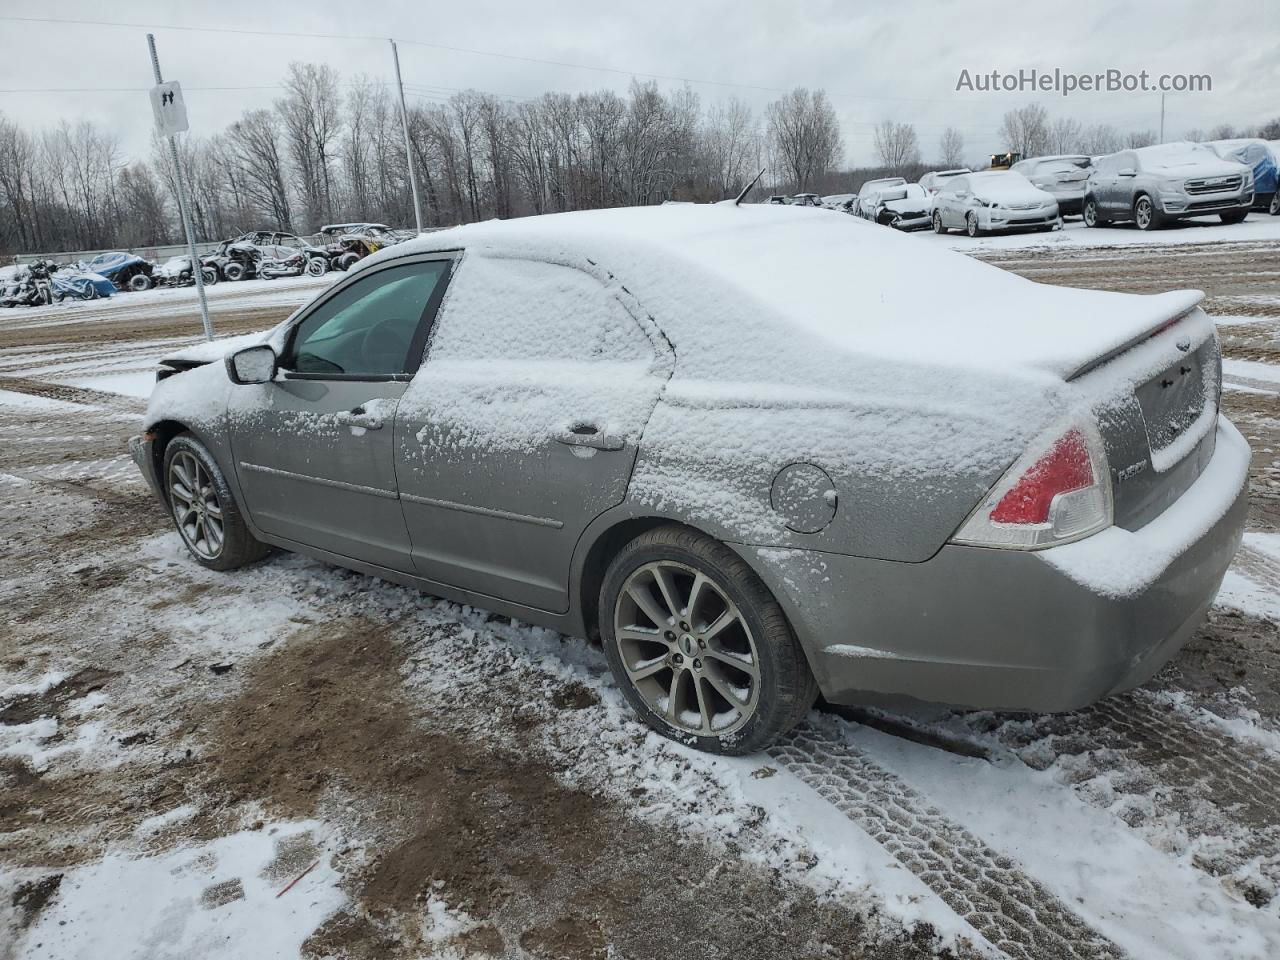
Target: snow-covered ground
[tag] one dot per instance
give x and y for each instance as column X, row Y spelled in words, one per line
column 1258, row 228
column 294, row 757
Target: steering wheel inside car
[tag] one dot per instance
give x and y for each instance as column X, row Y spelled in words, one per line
column 385, row 344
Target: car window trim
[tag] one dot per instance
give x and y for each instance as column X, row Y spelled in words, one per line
column 414, row 356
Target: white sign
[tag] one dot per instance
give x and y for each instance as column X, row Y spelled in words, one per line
column 169, row 107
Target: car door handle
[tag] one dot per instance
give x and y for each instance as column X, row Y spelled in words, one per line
column 359, row 417
column 585, row 434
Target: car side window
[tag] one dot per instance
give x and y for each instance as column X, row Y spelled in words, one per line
column 508, row 309
column 372, row 327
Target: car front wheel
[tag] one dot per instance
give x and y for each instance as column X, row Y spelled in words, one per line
column 699, row 646
column 971, row 224
column 204, row 511
column 1274, row 208
column 937, row 223
column 1144, row 214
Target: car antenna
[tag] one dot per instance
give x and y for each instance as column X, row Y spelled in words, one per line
column 747, row 189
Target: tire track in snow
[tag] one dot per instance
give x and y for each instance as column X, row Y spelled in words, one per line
column 987, row 889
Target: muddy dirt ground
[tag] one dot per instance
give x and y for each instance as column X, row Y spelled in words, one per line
column 475, row 787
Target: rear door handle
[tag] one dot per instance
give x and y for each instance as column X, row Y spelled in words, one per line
column 359, row 417
column 582, row 433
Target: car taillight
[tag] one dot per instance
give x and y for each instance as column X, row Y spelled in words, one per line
column 1059, row 490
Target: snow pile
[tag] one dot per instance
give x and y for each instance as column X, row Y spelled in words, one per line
column 219, row 899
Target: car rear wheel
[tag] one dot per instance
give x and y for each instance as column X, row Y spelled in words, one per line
column 204, row 511
column 1144, row 214
column 937, row 223
column 971, row 224
column 699, row 646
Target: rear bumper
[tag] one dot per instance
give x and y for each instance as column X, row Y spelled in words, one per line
column 142, row 449
column 1013, row 630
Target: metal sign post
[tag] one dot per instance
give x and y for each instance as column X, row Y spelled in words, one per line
column 171, row 119
column 408, row 154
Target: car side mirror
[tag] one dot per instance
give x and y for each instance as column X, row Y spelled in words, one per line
column 252, row 365
column 1128, row 172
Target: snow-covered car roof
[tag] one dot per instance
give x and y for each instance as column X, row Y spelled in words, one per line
column 764, row 276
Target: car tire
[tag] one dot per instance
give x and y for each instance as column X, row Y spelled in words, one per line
column 1089, row 213
column 205, row 513
column 347, row 261
column 1274, row 207
column 971, row 224
column 1236, row 216
column 937, row 223
column 1145, row 215
column 139, row 282
column 317, row 267
column 233, row 271
column 702, row 653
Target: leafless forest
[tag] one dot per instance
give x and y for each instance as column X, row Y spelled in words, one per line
column 332, row 150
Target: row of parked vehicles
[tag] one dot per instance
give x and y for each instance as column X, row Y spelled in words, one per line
column 263, row 254
column 1148, row 186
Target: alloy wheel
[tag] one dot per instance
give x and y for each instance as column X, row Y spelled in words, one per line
column 971, row 224
column 1090, row 214
column 196, row 507
column 937, row 222
column 1274, row 209
column 687, row 649
column 1142, row 213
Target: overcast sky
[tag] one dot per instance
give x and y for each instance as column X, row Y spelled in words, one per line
column 876, row 60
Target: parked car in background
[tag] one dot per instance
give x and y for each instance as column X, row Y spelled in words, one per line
column 1153, row 186
column 1262, row 159
column 1035, row 521
column 840, row 201
column 903, row 206
column 778, row 199
column 74, row 283
column 127, row 271
column 933, row 181
column 1065, row 176
column 863, row 206
column 993, row 200
column 806, row 200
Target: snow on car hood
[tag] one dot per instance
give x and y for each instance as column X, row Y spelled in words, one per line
column 1008, row 188
column 1195, row 165
column 752, row 281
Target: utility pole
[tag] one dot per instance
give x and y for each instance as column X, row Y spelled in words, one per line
column 408, row 153
column 166, row 102
column 1162, row 117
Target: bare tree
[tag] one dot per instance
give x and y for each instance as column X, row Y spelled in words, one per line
column 1065, row 135
column 1223, row 131
column 1026, row 130
column 804, row 135
column 311, row 112
column 1100, row 138
column 952, row 147
column 1139, row 138
column 256, row 142
column 896, row 144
